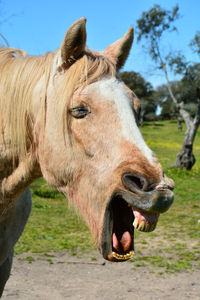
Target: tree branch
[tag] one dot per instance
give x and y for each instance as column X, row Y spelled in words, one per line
column 185, row 115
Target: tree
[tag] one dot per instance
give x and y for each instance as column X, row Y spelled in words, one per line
column 144, row 91
column 151, row 28
column 195, row 43
column 184, row 90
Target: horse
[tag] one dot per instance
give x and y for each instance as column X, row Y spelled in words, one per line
column 68, row 117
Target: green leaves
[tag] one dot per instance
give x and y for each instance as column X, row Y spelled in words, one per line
column 177, row 63
column 144, row 91
column 153, row 24
column 137, row 84
column 156, row 21
column 195, row 43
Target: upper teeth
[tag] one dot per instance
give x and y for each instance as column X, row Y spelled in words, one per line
column 143, row 226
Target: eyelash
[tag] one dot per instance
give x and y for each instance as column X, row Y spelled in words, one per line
column 79, row 112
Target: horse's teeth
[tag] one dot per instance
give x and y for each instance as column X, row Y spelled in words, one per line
column 141, row 226
column 123, row 256
column 135, row 223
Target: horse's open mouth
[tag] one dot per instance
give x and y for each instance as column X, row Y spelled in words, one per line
column 118, row 234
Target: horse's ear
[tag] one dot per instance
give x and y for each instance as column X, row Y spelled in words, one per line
column 121, row 48
column 74, row 42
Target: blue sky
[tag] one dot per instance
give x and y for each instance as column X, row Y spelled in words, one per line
column 39, row 26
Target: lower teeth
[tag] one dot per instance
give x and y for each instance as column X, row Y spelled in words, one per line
column 123, row 256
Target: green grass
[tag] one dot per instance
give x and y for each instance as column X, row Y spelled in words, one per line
column 52, row 225
column 174, row 245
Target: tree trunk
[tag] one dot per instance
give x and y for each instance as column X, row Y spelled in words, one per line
column 179, row 125
column 185, row 158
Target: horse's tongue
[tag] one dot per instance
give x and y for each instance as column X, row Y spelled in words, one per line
column 145, row 221
column 123, row 244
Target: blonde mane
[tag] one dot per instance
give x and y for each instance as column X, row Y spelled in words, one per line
column 19, row 75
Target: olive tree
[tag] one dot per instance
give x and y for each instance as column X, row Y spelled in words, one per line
column 151, row 28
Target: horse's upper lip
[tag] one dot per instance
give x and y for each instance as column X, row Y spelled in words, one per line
column 126, row 209
column 155, row 201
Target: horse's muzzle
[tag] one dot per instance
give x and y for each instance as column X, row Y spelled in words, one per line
column 155, row 198
column 136, row 206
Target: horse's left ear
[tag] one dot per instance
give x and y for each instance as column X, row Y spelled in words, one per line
column 74, row 42
column 121, row 48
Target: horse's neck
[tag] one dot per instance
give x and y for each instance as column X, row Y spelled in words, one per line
column 20, row 178
column 15, row 178
column 16, row 174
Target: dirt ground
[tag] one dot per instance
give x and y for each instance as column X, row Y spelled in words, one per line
column 71, row 278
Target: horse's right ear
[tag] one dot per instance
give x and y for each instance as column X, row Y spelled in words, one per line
column 121, row 48
column 74, row 42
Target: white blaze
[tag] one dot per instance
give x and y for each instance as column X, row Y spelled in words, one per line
column 113, row 90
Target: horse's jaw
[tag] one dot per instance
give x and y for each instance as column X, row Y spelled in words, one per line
column 126, row 211
column 123, row 211
column 117, row 243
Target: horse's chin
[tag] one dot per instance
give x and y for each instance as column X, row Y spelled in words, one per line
column 122, row 216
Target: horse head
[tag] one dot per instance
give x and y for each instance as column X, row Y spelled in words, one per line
column 90, row 147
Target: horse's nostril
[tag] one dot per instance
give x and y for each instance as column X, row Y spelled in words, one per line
column 133, row 181
column 136, row 181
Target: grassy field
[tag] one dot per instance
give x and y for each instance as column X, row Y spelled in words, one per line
column 174, row 245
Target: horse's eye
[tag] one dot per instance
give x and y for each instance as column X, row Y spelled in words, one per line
column 79, row 112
